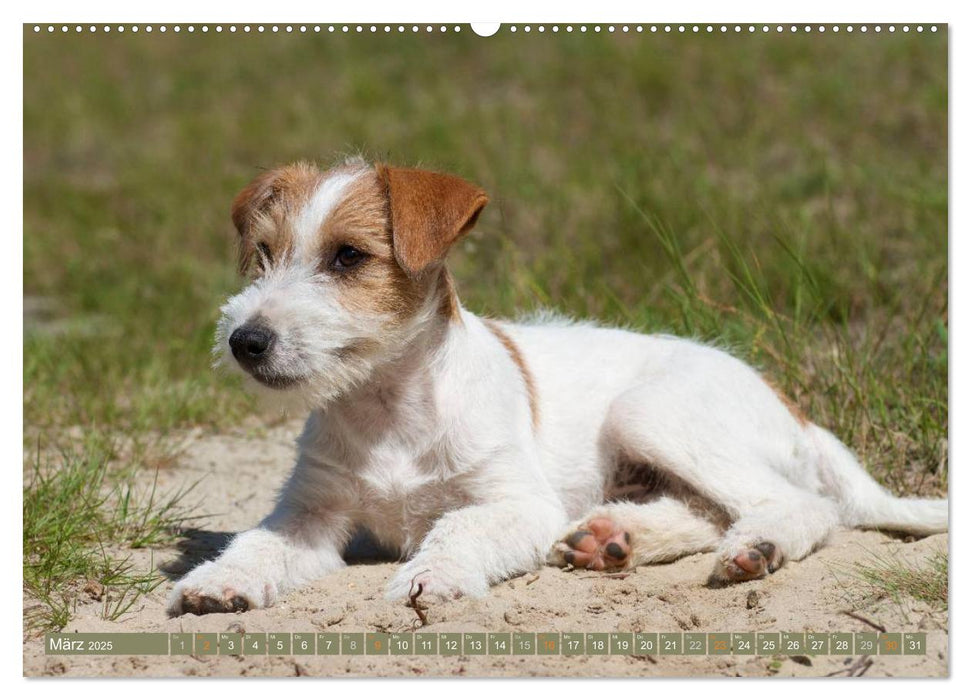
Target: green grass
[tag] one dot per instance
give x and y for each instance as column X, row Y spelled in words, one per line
column 889, row 576
column 79, row 517
column 782, row 196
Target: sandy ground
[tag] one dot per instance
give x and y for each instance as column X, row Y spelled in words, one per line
column 238, row 475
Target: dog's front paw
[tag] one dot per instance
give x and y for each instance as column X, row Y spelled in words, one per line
column 746, row 563
column 440, row 580
column 211, row 588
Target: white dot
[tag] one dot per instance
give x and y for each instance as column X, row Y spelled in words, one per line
column 934, row 28
column 527, row 28
column 863, row 29
column 920, row 28
column 877, row 28
column 793, row 29
column 317, row 28
column 163, row 29
column 569, row 29
column 738, row 28
column 822, row 28
column 626, row 28
column 36, row 28
column 849, row 29
column 751, row 29
column 51, row 29
column 765, row 28
column 597, row 28
column 373, row 28
column 176, row 29
column 219, row 28
column 906, row 29
column 443, row 28
column 610, row 28
column 667, row 27
column 135, row 29
column 121, row 29
column 64, row 28
column 709, row 29
column 640, row 28
column 92, row 28
column 78, row 28
column 724, row 28
column 148, row 28
column 556, row 28
column 542, row 28
column 428, row 28
column 778, row 28
column 681, row 29
column 891, row 28
column 512, row 29
column 836, row 29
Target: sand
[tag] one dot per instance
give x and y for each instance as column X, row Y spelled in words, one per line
column 239, row 473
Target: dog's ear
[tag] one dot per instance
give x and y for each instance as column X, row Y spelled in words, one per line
column 429, row 212
column 253, row 199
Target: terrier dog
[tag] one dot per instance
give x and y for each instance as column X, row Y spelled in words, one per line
column 479, row 449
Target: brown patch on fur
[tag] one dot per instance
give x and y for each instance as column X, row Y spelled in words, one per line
column 361, row 220
column 793, row 407
column 517, row 357
column 261, row 210
column 429, row 212
column 448, row 300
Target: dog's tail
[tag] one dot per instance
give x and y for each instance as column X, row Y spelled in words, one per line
column 866, row 504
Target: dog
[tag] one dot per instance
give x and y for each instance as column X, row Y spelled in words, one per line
column 479, row 449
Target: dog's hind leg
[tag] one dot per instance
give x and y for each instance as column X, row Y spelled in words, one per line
column 733, row 455
column 624, row 535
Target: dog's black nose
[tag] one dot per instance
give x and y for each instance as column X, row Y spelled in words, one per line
column 251, row 344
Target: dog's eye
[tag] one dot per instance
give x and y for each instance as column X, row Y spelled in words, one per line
column 348, row 257
column 266, row 257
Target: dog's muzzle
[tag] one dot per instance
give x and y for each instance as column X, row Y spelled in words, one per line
column 251, row 345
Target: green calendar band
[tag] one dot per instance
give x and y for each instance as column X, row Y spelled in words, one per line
column 489, row 643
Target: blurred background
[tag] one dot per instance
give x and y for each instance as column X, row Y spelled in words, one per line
column 784, row 196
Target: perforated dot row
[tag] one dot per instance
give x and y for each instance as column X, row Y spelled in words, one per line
column 428, row 28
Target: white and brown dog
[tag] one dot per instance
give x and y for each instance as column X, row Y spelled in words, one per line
column 480, row 449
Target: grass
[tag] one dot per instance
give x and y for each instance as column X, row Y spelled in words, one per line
column 79, row 517
column 889, row 576
column 782, row 196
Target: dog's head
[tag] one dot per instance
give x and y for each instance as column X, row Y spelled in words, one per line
column 347, row 267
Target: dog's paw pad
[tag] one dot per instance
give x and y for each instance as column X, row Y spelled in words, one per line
column 598, row 544
column 747, row 563
column 195, row 603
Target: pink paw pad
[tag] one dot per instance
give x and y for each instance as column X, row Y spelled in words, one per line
column 599, row 544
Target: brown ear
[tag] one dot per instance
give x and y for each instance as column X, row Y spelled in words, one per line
column 253, row 199
column 429, row 212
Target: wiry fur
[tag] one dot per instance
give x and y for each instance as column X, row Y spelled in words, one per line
column 469, row 449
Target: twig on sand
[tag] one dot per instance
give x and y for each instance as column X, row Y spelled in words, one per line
column 859, row 667
column 618, row 575
column 534, row 579
column 413, row 603
column 857, row 616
